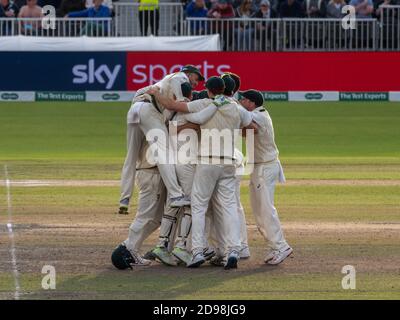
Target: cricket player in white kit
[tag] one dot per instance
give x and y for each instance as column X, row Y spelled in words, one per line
column 151, row 202
column 200, row 111
column 215, row 179
column 145, row 118
column 214, row 227
column 267, row 171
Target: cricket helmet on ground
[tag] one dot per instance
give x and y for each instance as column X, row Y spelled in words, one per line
column 121, row 258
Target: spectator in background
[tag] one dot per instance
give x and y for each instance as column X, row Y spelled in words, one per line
column 107, row 3
column 265, row 11
column 263, row 29
column 31, row 10
column 315, row 8
column 245, row 30
column 68, row 6
column 255, row 4
column 291, row 9
column 334, row 9
column 149, row 13
column 222, row 10
column 364, row 8
column 197, row 9
column 7, row 10
column 315, row 31
column 210, row 4
column 93, row 28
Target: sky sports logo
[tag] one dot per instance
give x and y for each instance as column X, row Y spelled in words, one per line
column 145, row 74
column 139, row 74
column 91, row 73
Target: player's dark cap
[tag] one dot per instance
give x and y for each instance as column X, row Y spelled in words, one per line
column 192, row 69
column 216, row 85
column 186, row 88
column 253, row 95
column 229, row 85
column 200, row 95
column 235, row 78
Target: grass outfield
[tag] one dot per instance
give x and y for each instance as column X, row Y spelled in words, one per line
column 341, row 206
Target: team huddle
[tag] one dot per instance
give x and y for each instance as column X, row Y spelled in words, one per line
column 183, row 155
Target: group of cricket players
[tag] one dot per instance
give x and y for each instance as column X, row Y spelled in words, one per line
column 184, row 156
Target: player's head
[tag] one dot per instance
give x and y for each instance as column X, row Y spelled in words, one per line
column 251, row 99
column 193, row 74
column 215, row 86
column 229, row 85
column 222, row 4
column 235, row 78
column 186, row 88
column 197, row 95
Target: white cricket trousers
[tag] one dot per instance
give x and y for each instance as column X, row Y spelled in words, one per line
column 150, row 119
column 262, row 189
column 215, row 236
column 152, row 194
column 216, row 183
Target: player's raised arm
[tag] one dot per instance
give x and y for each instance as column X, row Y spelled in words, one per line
column 168, row 103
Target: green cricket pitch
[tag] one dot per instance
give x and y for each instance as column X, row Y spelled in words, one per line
column 340, row 206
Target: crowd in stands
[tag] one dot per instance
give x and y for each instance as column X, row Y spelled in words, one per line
column 212, row 9
column 283, row 8
column 64, row 8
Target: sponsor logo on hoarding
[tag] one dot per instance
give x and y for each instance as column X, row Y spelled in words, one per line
column 364, row 96
column 313, row 96
column 152, row 73
column 9, row 96
column 276, row 96
column 60, row 96
column 90, row 73
column 149, row 68
column 111, row 96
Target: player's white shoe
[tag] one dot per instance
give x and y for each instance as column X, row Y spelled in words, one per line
column 208, row 253
column 280, row 256
column 197, row 260
column 244, row 253
column 138, row 259
column 180, row 202
column 270, row 255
